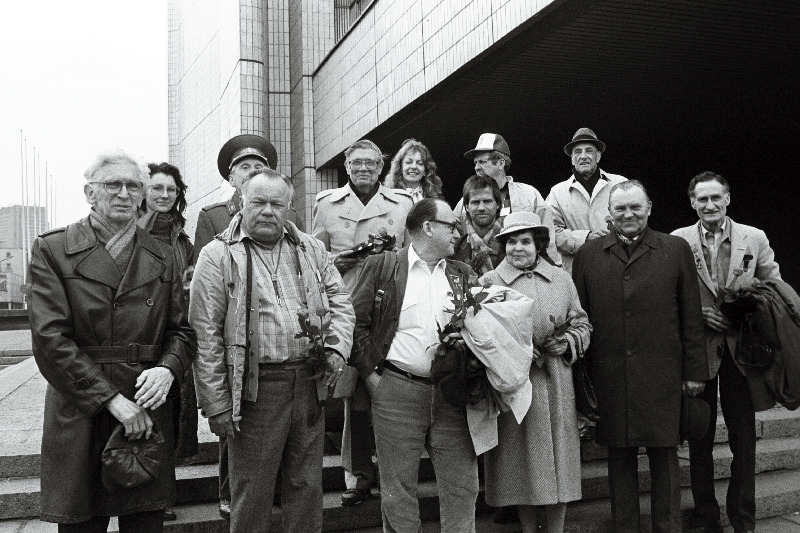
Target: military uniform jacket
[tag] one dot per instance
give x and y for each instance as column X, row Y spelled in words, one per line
column 341, row 221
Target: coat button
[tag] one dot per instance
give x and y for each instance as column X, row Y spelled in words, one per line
column 116, row 305
column 629, row 352
column 627, row 313
column 346, row 224
column 150, row 302
column 391, row 221
column 134, row 450
column 627, row 278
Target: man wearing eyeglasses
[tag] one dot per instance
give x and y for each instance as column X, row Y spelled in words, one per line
column 492, row 158
column 393, row 348
column 343, row 218
column 110, row 336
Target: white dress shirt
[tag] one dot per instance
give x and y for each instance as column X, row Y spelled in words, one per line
column 427, row 295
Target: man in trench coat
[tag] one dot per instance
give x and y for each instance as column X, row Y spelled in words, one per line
column 639, row 288
column 110, row 335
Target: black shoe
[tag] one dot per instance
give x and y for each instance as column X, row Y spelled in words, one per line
column 352, row 497
column 506, row 515
column 169, row 514
column 225, row 509
column 587, row 433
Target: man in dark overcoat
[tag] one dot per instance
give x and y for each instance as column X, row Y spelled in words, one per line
column 639, row 288
column 110, row 335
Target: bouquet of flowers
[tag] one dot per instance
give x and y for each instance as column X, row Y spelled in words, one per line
column 455, row 370
column 319, row 336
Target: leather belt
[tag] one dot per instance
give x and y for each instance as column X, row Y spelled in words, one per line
column 290, row 364
column 394, row 368
column 133, row 354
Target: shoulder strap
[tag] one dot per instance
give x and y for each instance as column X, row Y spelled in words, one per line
column 388, row 272
column 248, row 306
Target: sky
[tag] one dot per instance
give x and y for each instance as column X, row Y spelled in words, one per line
column 78, row 78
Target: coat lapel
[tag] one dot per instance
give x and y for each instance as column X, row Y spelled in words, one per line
column 648, row 241
column 700, row 258
column 611, row 244
column 738, row 250
column 146, row 264
column 97, row 264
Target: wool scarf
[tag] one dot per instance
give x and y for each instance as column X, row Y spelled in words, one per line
column 119, row 244
column 483, row 248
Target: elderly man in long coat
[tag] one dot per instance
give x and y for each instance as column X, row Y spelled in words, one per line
column 639, row 288
column 110, row 335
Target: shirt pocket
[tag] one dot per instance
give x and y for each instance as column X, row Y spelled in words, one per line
column 408, row 312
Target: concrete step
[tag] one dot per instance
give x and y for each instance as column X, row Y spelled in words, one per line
column 777, row 494
column 19, row 497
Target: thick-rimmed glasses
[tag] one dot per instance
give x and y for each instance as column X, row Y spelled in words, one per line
column 115, row 186
column 370, row 164
column 159, row 190
column 452, row 225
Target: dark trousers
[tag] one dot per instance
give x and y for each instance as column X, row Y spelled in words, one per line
column 362, row 438
column 740, row 419
column 224, row 484
column 665, row 489
column 283, row 428
column 146, row 522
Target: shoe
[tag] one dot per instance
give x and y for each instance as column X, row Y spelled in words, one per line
column 225, row 509
column 587, row 433
column 169, row 514
column 506, row 515
column 352, row 497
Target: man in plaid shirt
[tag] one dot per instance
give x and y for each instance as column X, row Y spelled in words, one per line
column 255, row 380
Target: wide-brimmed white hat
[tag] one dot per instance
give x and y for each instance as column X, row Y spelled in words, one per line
column 520, row 221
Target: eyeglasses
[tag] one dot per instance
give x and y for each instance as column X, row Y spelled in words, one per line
column 370, row 164
column 115, row 186
column 159, row 190
column 452, row 225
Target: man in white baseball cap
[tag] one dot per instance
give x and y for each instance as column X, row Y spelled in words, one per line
column 492, row 159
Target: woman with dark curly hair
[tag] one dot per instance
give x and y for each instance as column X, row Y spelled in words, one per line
column 414, row 170
column 161, row 214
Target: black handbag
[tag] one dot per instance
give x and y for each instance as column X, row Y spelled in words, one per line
column 585, row 396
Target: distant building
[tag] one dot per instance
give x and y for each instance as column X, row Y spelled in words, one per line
column 13, row 225
column 12, row 264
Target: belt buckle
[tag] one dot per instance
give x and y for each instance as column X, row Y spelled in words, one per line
column 134, row 355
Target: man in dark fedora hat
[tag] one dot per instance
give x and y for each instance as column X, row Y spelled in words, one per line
column 492, row 158
column 237, row 158
column 580, row 203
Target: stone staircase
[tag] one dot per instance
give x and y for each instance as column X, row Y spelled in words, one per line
column 777, row 485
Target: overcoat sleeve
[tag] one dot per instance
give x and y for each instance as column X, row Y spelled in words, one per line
column 179, row 346
column 695, row 358
column 203, row 234
column 207, row 310
column 67, row 368
column 319, row 226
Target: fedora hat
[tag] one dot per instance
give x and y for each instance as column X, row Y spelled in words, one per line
column 243, row 146
column 695, row 417
column 519, row 221
column 489, row 142
column 584, row 135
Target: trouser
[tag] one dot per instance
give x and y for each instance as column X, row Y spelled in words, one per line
column 665, row 489
column 358, row 440
column 410, row 416
column 224, row 483
column 283, row 428
column 739, row 416
column 145, row 522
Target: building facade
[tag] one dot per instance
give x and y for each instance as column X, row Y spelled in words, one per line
column 672, row 88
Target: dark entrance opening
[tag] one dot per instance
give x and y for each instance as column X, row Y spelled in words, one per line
column 673, row 88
